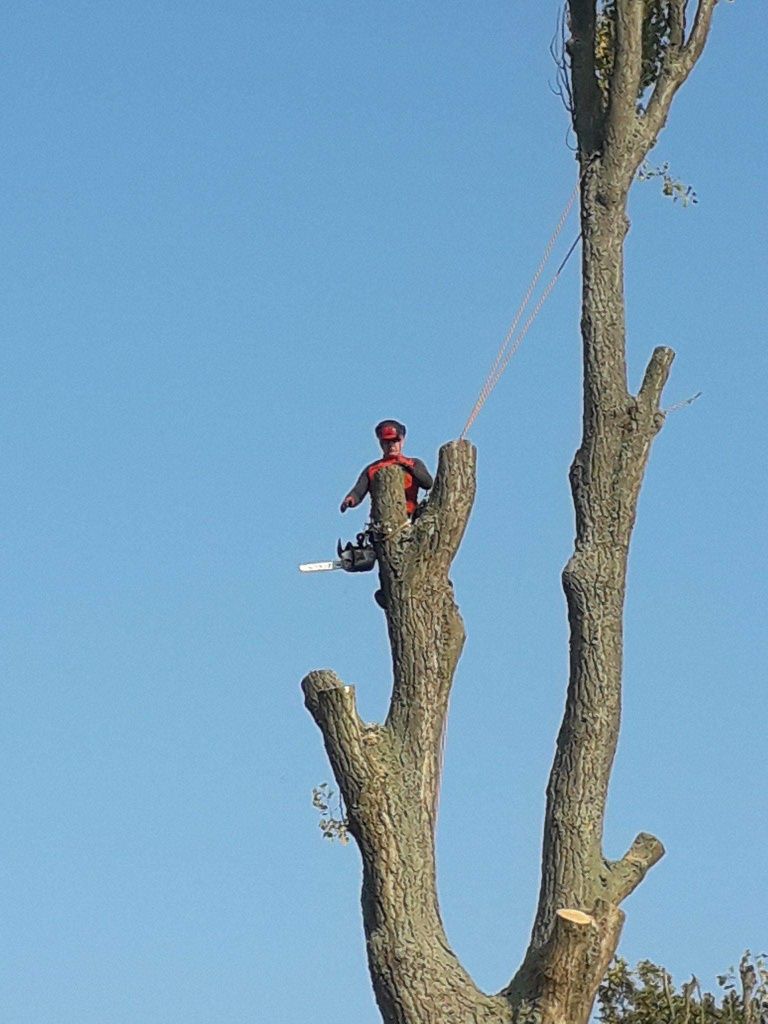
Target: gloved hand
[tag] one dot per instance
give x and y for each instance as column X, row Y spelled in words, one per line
column 349, row 502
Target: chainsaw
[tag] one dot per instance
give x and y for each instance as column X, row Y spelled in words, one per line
column 354, row 556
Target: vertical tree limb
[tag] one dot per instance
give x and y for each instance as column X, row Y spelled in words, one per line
column 389, row 775
column 617, row 432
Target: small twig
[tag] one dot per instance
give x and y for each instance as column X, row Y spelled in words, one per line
column 683, row 404
column 665, row 981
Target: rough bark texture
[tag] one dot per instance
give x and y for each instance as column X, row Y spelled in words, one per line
column 389, row 775
column 566, row 961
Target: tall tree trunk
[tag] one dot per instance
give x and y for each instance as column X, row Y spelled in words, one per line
column 578, row 919
column 606, row 474
column 389, row 775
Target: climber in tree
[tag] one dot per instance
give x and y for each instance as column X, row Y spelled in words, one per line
column 391, row 435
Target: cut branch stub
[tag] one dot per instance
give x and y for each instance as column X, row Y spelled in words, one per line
column 332, row 705
column 559, row 980
column 442, row 526
column 626, row 874
column 656, row 375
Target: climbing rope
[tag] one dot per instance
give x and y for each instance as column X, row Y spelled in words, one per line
column 512, row 341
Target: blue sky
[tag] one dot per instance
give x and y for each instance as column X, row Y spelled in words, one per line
column 234, row 237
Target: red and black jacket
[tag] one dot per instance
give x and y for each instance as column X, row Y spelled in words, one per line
column 415, row 475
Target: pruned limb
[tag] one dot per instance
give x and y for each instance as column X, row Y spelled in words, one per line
column 656, row 376
column 678, row 64
column 626, row 874
column 439, row 530
column 559, row 980
column 332, row 705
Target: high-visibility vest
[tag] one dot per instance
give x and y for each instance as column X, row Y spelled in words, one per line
column 410, row 485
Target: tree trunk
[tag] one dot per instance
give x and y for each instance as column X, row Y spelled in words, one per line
column 389, row 775
column 578, row 921
column 567, row 957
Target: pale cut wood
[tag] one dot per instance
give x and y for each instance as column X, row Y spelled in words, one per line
column 575, row 916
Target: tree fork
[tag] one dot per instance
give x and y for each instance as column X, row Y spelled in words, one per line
column 389, row 775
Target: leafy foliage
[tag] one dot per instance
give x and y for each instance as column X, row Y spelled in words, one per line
column 656, row 26
column 647, row 995
column 656, row 42
column 333, row 822
column 672, row 187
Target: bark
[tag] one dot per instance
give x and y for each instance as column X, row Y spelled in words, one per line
column 606, row 474
column 389, row 775
column 567, row 956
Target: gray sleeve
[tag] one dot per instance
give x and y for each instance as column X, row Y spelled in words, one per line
column 360, row 489
column 421, row 474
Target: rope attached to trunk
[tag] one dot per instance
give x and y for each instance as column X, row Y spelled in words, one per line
column 512, row 341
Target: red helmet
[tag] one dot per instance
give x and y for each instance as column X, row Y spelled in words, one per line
column 390, row 430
